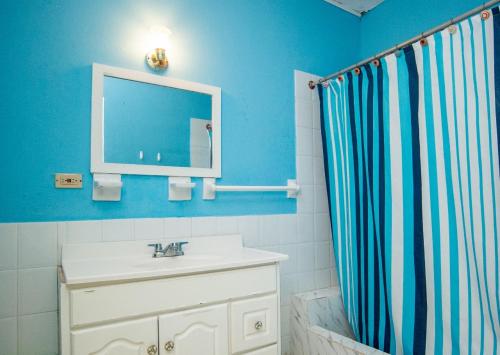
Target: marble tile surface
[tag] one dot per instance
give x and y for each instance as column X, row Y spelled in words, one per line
column 319, row 326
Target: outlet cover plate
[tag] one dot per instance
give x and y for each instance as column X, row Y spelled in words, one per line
column 68, row 181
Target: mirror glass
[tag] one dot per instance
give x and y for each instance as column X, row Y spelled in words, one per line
column 148, row 124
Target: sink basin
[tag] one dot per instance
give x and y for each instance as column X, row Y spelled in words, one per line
column 90, row 263
column 166, row 261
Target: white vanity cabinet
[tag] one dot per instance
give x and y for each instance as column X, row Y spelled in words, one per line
column 218, row 312
column 202, row 303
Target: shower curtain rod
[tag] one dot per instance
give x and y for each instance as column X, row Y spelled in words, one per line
column 486, row 5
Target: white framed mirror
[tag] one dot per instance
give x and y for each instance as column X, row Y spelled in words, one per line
column 146, row 124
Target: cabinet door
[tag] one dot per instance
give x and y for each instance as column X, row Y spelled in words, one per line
column 270, row 350
column 201, row 331
column 254, row 323
column 135, row 337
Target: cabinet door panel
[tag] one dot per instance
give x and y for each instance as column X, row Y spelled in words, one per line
column 254, row 323
column 123, row 338
column 195, row 332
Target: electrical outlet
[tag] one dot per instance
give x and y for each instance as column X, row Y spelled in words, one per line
column 68, row 181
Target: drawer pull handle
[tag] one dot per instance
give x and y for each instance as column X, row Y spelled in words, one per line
column 258, row 325
column 152, row 350
column 169, row 345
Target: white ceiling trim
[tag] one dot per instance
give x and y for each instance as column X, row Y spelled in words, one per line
column 355, row 7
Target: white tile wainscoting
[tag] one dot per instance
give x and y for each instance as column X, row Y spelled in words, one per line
column 30, row 252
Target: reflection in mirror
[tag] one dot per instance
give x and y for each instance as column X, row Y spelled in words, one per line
column 156, row 125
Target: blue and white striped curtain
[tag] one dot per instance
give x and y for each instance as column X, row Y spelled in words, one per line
column 411, row 146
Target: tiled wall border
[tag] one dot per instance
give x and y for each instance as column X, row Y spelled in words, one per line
column 30, row 253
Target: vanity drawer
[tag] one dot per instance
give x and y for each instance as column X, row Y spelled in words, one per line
column 254, row 323
column 110, row 302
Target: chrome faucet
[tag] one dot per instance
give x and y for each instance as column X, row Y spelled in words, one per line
column 173, row 249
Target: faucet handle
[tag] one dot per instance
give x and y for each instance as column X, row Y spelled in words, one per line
column 178, row 247
column 158, row 247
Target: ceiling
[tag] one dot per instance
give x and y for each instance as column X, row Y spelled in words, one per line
column 356, row 7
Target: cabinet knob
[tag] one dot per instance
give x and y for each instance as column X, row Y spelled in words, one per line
column 258, row 325
column 152, row 350
column 169, row 345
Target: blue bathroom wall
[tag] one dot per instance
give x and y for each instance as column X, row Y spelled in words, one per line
column 395, row 21
column 248, row 48
column 152, row 119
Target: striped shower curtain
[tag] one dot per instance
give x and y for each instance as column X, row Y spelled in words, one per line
column 411, row 147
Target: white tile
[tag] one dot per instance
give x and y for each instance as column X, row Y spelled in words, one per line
column 306, row 257
column 303, row 113
column 305, row 281
column 37, row 244
column 37, row 290
column 322, row 278
column 114, row 230
column 273, row 249
column 288, row 287
column 177, row 227
column 203, row 226
column 8, row 336
column 322, row 229
column 302, row 90
column 305, row 227
column 148, row 228
column 285, row 320
column 319, row 171
column 305, row 199
column 288, row 229
column 227, row 225
column 8, row 293
column 323, row 255
column 83, row 232
column 285, row 345
column 8, row 246
column 320, row 199
column 316, row 122
column 304, row 143
column 288, row 266
column 305, row 171
column 38, row 334
column 315, row 95
column 317, row 143
column 270, row 230
column 332, row 254
column 249, row 227
column 334, row 277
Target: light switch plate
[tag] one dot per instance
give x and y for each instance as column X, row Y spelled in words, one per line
column 68, row 181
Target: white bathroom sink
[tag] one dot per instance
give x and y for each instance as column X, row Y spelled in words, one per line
column 171, row 261
column 91, row 263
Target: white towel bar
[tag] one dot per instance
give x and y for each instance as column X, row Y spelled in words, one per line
column 210, row 188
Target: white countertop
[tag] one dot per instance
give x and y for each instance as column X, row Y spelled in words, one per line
column 129, row 261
